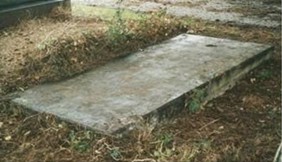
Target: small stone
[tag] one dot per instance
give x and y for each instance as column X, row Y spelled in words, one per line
column 190, row 31
column 8, row 138
column 27, row 133
column 97, row 152
column 210, row 105
column 262, row 121
column 253, row 80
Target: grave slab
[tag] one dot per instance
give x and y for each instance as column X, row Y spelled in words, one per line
column 153, row 83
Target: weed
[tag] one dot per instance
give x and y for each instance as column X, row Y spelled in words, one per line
column 166, row 139
column 163, row 151
column 115, row 153
column 203, row 144
column 117, row 31
column 80, row 143
column 47, row 42
column 264, row 74
column 196, row 99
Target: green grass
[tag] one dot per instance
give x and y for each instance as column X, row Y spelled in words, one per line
column 104, row 13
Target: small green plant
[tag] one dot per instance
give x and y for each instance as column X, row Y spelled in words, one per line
column 117, row 30
column 197, row 98
column 115, row 153
column 164, row 150
column 46, row 43
column 166, row 139
column 80, row 143
column 265, row 74
column 203, row 144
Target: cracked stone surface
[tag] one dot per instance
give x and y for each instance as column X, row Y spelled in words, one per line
column 112, row 97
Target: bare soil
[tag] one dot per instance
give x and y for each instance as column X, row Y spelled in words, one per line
column 244, row 124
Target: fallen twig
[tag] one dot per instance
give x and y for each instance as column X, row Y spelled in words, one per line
column 210, row 123
column 144, row 160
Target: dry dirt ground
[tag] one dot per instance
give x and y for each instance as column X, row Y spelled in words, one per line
column 242, row 125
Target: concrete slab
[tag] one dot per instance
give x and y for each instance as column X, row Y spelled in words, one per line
column 150, row 84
